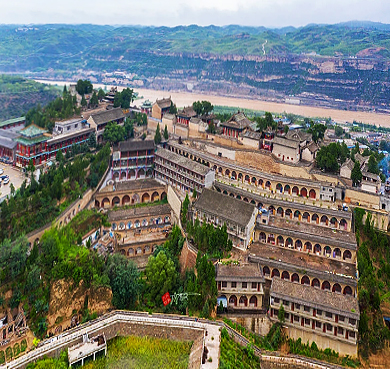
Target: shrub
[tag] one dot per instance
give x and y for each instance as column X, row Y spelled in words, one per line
column 8, row 353
column 16, row 349
column 2, row 357
column 23, row 345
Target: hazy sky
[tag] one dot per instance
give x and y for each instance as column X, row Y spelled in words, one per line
column 269, row 13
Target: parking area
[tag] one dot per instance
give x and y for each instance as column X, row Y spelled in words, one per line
column 16, row 177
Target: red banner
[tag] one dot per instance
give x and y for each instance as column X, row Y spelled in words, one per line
column 166, row 298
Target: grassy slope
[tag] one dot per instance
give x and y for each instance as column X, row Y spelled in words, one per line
column 143, row 353
column 18, row 95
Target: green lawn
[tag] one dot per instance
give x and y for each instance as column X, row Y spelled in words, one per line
column 143, row 353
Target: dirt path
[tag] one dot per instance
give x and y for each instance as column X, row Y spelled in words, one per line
column 186, row 98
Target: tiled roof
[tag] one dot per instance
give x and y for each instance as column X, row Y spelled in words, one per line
column 298, row 135
column 238, row 121
column 138, row 185
column 151, row 210
column 108, row 116
column 164, row 103
column 251, row 134
column 32, row 131
column 225, row 207
column 246, row 272
column 182, row 161
column 307, row 295
column 136, row 145
column 188, row 112
column 348, row 164
column 12, row 121
column 294, row 144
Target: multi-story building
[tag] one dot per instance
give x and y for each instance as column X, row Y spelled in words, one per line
column 316, row 315
column 239, row 216
column 66, row 134
column 181, row 172
column 133, row 159
column 160, row 107
column 101, row 119
column 31, row 145
column 184, row 116
column 240, row 287
column 36, row 144
column 139, row 230
column 236, row 125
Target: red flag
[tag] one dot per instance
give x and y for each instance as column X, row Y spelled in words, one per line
column 166, row 298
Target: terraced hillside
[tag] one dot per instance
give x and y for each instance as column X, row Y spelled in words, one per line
column 343, row 65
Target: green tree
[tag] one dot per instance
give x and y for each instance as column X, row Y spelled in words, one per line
column 92, row 140
column 13, row 257
column 94, row 100
column 317, row 131
column 286, row 129
column 356, row 174
column 211, row 127
column 281, row 314
column 101, row 94
column 198, row 107
column 338, row 131
column 372, row 165
column 207, row 107
column 166, row 134
column 172, row 108
column 129, row 128
column 84, row 87
column 114, row 133
column 184, row 210
column 329, row 158
column 161, row 276
column 60, row 157
column 124, row 281
column 12, row 189
column 83, row 102
column 157, row 136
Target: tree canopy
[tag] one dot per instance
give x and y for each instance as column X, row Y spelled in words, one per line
column 263, row 123
column 84, row 87
column 124, row 98
column 329, row 158
column 356, row 174
column 114, row 133
column 157, row 135
column 124, row 281
column 161, row 276
column 317, row 131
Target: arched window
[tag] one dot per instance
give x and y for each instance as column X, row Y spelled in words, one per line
column 286, row 275
column 295, row 278
column 305, row 280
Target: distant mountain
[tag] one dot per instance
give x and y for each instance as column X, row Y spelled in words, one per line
column 344, row 64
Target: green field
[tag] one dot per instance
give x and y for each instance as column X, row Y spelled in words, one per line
column 143, row 353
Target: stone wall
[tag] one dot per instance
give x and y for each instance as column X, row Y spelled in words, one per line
column 323, row 342
column 187, row 258
column 174, row 201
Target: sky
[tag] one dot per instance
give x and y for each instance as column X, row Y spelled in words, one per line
column 268, row 13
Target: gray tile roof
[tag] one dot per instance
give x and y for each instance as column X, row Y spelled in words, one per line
column 294, row 144
column 225, row 207
column 164, row 103
column 245, row 272
column 152, row 210
column 108, row 116
column 182, row 161
column 322, row 299
column 238, row 121
column 136, row 145
column 138, row 185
